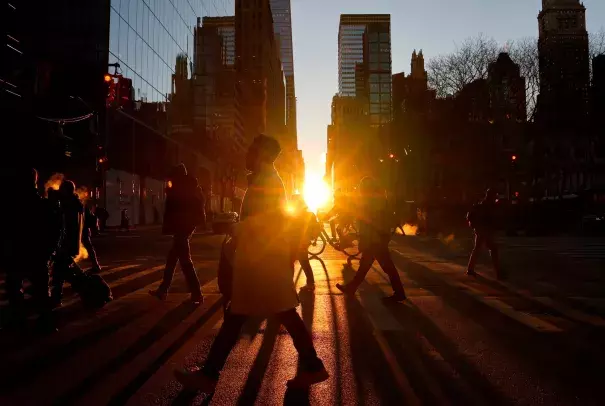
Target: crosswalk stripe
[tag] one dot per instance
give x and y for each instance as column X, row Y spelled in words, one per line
column 531, row 321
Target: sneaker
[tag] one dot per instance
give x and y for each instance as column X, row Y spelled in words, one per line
column 397, row 297
column 195, row 380
column 305, row 379
column 345, row 289
column 158, row 294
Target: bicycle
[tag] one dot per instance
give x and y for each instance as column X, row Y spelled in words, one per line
column 350, row 245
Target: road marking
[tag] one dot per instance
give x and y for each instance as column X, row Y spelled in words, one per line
column 521, row 317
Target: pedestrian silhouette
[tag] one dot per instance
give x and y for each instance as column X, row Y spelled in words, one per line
column 181, row 217
column 262, row 275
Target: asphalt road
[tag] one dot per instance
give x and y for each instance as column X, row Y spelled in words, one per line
column 456, row 341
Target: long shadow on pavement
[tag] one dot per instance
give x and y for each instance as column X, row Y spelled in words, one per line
column 571, row 368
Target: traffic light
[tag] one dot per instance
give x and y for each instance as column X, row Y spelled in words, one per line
column 110, row 84
column 124, row 92
column 513, row 158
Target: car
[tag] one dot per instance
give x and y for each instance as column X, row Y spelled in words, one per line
column 222, row 222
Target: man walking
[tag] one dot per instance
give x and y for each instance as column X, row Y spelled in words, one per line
column 181, row 217
column 90, row 227
column 374, row 237
column 65, row 267
column 263, row 275
column 482, row 219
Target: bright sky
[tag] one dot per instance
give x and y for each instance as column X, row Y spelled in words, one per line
column 432, row 25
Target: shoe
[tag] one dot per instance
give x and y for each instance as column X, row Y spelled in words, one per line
column 345, row 289
column 196, row 299
column 158, row 294
column 397, row 297
column 305, row 379
column 471, row 272
column 195, row 380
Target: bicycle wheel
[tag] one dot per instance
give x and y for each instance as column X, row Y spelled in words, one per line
column 317, row 246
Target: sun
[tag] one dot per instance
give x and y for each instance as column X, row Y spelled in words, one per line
column 316, row 192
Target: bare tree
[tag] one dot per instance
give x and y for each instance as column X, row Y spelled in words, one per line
column 449, row 73
column 524, row 52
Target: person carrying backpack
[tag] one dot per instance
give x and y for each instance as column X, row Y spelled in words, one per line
column 263, row 271
column 181, row 217
column 481, row 218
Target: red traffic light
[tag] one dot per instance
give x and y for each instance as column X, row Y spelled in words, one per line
column 391, row 156
column 514, row 157
column 516, row 194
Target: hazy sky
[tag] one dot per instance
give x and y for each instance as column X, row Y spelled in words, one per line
column 432, row 25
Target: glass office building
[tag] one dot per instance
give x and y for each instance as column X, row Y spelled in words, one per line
column 364, row 62
column 145, row 37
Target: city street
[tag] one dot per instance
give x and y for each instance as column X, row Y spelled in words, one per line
column 455, row 341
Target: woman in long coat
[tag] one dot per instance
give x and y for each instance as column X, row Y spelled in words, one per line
column 262, row 275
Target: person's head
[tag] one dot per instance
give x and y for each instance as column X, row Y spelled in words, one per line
column 263, row 151
column 67, row 188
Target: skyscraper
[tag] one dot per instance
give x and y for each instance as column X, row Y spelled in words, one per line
column 364, row 62
column 564, row 61
column 282, row 26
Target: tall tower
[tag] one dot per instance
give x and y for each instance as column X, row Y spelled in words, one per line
column 282, row 26
column 564, row 62
column 364, row 48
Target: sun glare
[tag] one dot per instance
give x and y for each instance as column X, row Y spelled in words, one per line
column 316, row 192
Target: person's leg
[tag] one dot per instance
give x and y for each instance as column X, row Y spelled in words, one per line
column 184, row 255
column 87, row 243
column 171, row 261
column 473, row 258
column 206, row 378
column 223, row 345
column 312, row 369
column 365, row 263
column 303, row 259
column 39, row 278
column 383, row 256
column 493, row 250
column 302, row 339
column 59, row 274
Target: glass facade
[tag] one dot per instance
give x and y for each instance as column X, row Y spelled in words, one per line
column 364, row 62
column 282, row 26
column 350, row 53
column 145, row 37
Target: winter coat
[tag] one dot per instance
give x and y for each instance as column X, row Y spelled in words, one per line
column 263, row 267
column 181, row 207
